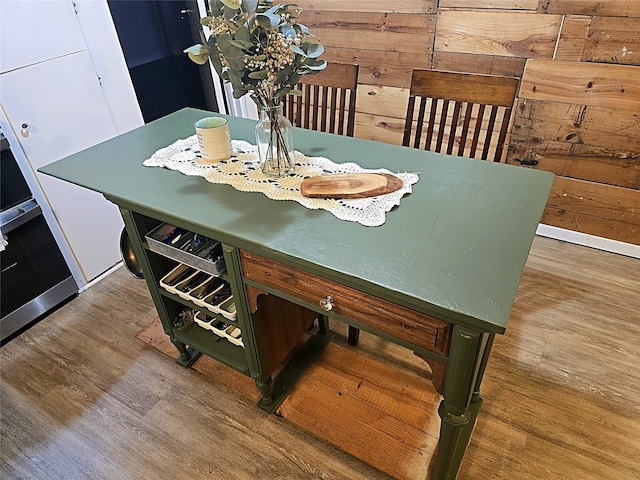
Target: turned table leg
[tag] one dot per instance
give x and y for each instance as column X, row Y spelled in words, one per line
column 459, row 408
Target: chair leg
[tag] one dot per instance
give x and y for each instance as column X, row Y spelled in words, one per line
column 354, row 335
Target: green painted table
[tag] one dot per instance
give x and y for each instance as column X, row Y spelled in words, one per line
column 448, row 259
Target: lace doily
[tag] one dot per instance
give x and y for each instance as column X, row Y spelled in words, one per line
column 242, row 171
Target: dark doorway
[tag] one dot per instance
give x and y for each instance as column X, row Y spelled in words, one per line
column 153, row 34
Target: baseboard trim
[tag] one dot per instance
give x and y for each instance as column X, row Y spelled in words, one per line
column 101, row 276
column 579, row 238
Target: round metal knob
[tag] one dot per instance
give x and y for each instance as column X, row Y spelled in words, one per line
column 24, row 131
column 327, row 303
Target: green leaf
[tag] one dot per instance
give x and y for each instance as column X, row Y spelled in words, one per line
column 314, row 50
column 232, row 54
column 287, row 30
column 197, row 54
column 239, row 92
column 206, row 21
column 260, row 75
column 295, row 91
column 294, row 79
column 236, row 62
column 241, row 44
column 216, row 8
column 217, row 65
column 301, row 29
column 237, row 85
column 298, row 50
column 268, row 20
column 243, row 35
column 282, row 75
column 282, row 92
column 273, row 10
column 232, row 4
column 249, row 6
column 321, row 65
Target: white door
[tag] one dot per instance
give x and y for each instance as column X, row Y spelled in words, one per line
column 63, row 107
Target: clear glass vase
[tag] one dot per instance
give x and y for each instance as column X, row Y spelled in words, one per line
column 275, row 142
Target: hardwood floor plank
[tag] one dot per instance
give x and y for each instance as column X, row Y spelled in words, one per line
column 82, row 397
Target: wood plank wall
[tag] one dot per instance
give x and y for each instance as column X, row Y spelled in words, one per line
column 578, row 110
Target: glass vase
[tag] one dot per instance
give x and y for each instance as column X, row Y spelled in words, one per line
column 275, row 142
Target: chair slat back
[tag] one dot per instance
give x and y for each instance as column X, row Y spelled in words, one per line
column 461, row 114
column 328, row 100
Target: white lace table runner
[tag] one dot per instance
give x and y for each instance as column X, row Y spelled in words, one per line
column 242, row 171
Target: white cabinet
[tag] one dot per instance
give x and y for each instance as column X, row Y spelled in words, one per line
column 32, row 31
column 62, row 103
column 49, row 82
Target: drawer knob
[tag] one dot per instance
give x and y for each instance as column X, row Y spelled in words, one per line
column 327, row 303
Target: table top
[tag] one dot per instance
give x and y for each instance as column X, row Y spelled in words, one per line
column 454, row 248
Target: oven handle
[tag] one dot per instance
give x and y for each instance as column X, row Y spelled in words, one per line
column 20, row 214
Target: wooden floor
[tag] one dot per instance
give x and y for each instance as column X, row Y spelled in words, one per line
column 82, row 398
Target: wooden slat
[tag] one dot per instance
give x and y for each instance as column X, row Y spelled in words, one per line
column 584, row 162
column 496, row 4
column 379, row 128
column 611, row 86
column 380, row 100
column 610, row 8
column 393, row 32
column 602, row 165
column 337, row 75
column 385, row 6
column 380, row 68
column 572, row 38
column 601, row 210
column 613, row 40
column 609, row 128
column 477, row 63
column 494, row 90
column 485, row 32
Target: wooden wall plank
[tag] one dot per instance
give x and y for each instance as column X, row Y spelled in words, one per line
column 598, row 200
column 507, row 33
column 572, row 38
column 382, row 101
column 611, row 86
column 384, row 6
column 483, row 64
column 379, row 128
column 393, row 32
column 609, row 8
column 505, row 4
column 584, row 162
column 380, row 68
column 593, row 208
column 581, row 124
column 613, row 40
column 550, row 156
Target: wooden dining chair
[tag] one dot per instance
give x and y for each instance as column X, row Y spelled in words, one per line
column 461, row 114
column 328, row 100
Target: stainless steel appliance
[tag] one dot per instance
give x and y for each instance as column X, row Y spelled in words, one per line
column 34, row 276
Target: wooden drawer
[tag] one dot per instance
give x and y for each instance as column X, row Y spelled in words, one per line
column 381, row 315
